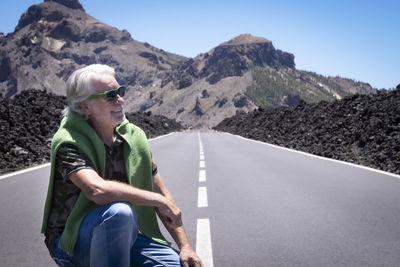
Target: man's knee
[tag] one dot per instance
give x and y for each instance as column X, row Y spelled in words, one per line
column 121, row 212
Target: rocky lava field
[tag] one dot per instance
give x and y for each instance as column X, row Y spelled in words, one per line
column 29, row 120
column 363, row 129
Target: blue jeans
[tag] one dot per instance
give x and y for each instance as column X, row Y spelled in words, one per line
column 109, row 236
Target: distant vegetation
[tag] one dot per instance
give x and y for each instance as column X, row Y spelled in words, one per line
column 270, row 87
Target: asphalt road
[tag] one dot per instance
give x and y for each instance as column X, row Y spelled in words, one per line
column 265, row 206
column 22, row 200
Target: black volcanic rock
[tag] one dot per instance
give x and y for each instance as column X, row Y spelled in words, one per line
column 27, row 124
column 74, row 4
column 363, row 129
column 197, row 108
column 29, row 120
column 204, row 94
column 239, row 101
column 224, row 62
column 151, row 56
column 182, row 75
column 66, row 30
column 153, row 125
column 5, row 67
column 34, row 13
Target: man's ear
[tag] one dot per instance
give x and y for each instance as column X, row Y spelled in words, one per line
column 84, row 106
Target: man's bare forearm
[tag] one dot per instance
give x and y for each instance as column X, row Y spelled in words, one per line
column 178, row 233
column 116, row 191
column 176, row 229
column 103, row 191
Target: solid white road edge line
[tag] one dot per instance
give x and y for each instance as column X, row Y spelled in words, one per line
column 319, row 157
column 203, row 242
column 8, row 175
column 161, row 136
column 202, row 201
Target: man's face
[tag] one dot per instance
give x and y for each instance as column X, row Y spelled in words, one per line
column 102, row 113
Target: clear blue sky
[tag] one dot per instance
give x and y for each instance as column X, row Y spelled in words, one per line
column 357, row 39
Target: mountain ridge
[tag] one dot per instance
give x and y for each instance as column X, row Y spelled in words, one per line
column 56, row 37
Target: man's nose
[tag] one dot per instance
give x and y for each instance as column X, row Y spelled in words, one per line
column 120, row 99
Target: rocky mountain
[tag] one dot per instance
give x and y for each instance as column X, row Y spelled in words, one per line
column 239, row 75
column 54, row 38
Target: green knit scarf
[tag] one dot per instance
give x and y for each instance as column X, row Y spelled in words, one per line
column 75, row 130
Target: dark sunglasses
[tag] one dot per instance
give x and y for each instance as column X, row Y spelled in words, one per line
column 111, row 95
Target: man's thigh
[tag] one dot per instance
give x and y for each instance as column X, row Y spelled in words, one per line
column 146, row 252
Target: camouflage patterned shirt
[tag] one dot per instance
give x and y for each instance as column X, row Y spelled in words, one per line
column 69, row 159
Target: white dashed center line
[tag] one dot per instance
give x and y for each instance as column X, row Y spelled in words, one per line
column 203, row 242
column 203, row 236
column 202, row 176
column 202, row 164
column 202, row 201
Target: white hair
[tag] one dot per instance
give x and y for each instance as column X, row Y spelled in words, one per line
column 79, row 85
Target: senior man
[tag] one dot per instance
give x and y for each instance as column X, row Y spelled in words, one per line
column 104, row 190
